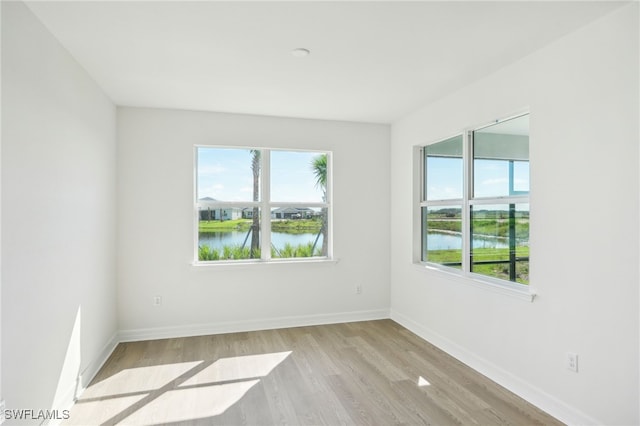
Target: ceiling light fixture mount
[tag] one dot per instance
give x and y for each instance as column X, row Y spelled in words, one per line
column 300, row 52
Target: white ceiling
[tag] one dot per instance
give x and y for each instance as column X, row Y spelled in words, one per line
column 370, row 61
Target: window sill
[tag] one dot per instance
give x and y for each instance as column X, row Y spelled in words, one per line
column 496, row 286
column 247, row 264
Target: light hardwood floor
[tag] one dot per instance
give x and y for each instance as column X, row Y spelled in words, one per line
column 364, row 373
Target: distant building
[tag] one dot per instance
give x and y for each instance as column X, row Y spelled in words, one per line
column 247, row 213
column 292, row 213
column 210, row 213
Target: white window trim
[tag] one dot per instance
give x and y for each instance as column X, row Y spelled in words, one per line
column 259, row 263
column 479, row 281
column 463, row 276
column 265, row 206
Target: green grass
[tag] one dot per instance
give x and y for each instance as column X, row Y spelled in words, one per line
column 445, row 256
column 301, row 250
column 302, row 226
column 235, row 252
column 444, row 225
column 498, row 228
column 499, row 270
column 206, row 253
column 297, row 226
column 224, row 226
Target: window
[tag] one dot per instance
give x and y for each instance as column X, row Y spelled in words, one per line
column 474, row 202
column 442, row 208
column 262, row 204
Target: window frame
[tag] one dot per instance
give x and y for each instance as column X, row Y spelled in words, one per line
column 426, row 203
column 465, row 274
column 265, row 205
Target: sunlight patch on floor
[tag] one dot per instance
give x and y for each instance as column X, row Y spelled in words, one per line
column 238, row 368
column 141, row 379
column 423, row 382
column 173, row 392
column 190, row 404
column 100, row 411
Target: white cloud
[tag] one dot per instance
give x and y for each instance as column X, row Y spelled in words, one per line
column 211, row 169
column 498, row 181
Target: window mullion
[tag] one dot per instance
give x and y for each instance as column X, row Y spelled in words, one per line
column 456, row 201
column 265, row 206
column 196, row 207
column 329, row 208
column 467, row 155
column 423, row 168
column 519, row 199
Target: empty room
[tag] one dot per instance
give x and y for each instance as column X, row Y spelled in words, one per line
column 323, row 213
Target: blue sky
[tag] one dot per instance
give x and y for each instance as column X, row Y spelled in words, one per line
column 444, row 178
column 225, row 174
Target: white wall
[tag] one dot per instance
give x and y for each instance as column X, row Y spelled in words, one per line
column 1, row 398
column 155, row 251
column 59, row 206
column 582, row 92
column 58, row 217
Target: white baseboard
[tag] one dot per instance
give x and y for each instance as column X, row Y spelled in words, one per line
column 82, row 381
column 85, row 377
column 249, row 325
column 530, row 393
column 546, row 402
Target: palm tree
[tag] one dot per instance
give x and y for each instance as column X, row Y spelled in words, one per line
column 255, row 226
column 319, row 167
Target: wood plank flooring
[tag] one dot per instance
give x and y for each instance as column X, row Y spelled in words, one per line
column 363, row 373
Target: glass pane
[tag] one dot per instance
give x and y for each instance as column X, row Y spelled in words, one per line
column 521, row 176
column 443, row 174
column 298, row 232
column 298, row 176
column 228, row 174
column 228, row 233
column 501, row 159
column 500, row 241
column 442, row 236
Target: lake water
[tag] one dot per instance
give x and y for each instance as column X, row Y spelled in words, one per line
column 217, row 240
column 450, row 241
column 437, row 240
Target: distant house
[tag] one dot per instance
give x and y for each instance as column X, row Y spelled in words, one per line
column 292, row 213
column 247, row 213
column 210, row 213
column 209, row 210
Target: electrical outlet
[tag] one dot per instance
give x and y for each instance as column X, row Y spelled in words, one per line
column 157, row 300
column 358, row 288
column 571, row 361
